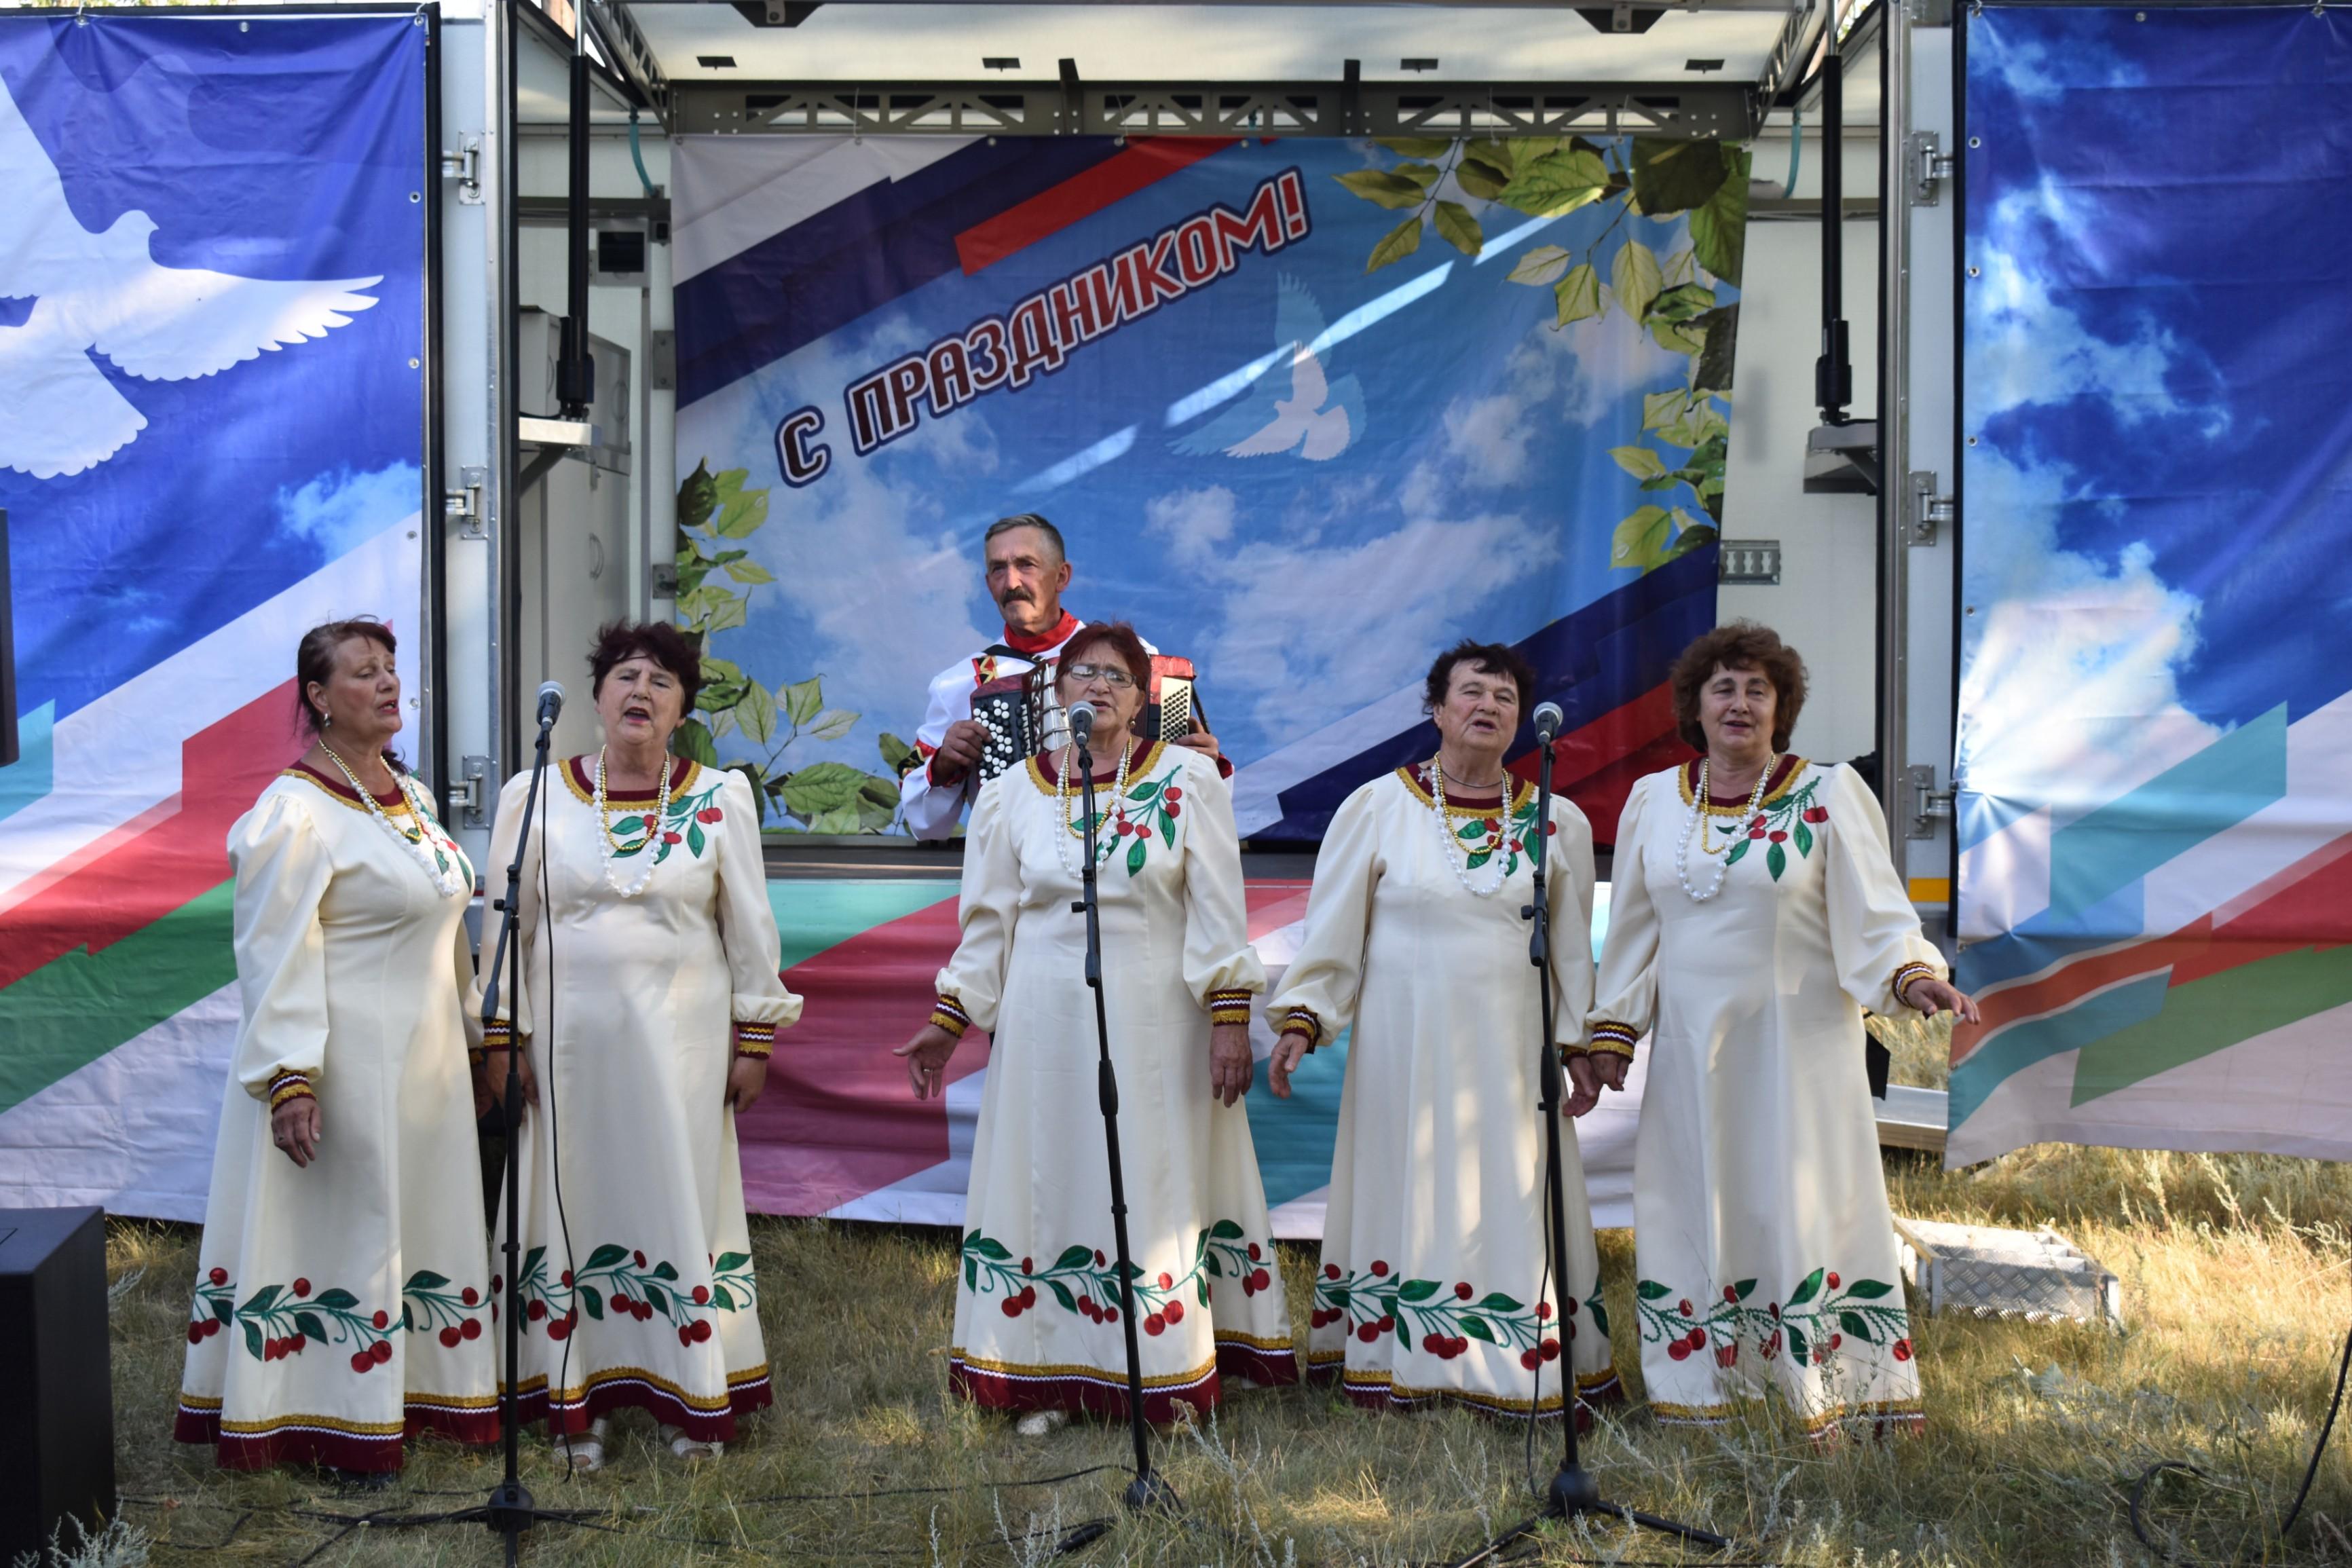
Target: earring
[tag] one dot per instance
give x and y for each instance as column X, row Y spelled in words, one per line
column 326, row 720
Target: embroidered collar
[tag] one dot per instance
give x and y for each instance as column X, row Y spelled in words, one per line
column 1145, row 760
column 580, row 777
column 1458, row 805
column 1783, row 775
column 396, row 803
column 1051, row 638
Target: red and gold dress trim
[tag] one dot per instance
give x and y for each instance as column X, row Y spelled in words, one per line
column 1784, row 773
column 948, row 1013
column 1908, row 975
column 1143, row 762
column 580, row 777
column 1230, row 1005
column 1612, row 1038
column 754, row 1039
column 394, row 804
column 1521, row 792
column 289, row 1085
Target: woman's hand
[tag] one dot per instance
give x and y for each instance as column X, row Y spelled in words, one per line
column 494, row 1072
column 1288, row 1052
column 294, row 1128
column 1589, row 1073
column 927, row 1055
column 745, row 1080
column 1932, row 997
column 1231, row 1066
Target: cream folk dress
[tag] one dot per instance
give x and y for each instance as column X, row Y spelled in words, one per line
column 1764, row 1249
column 639, row 1291
column 1036, row 1314
column 1433, row 1284
column 341, row 1307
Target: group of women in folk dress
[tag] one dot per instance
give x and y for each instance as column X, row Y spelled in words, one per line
column 347, row 1293
column 347, row 1297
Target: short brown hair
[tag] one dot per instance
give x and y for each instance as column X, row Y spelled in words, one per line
column 1739, row 645
column 314, row 658
column 1121, row 638
column 656, row 640
column 1493, row 657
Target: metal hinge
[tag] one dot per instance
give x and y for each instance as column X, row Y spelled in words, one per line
column 1929, row 165
column 466, row 792
column 464, row 504
column 463, row 163
column 1924, row 509
column 1929, row 804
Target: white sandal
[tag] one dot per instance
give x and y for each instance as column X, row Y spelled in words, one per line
column 1040, row 1423
column 691, row 1449
column 584, row 1451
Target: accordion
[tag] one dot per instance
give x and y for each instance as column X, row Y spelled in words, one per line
column 1023, row 719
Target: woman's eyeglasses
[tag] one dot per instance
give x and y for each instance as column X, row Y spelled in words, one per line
column 1114, row 676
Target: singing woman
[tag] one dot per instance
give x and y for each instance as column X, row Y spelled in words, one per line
column 647, row 1003
column 1753, row 913
column 341, row 1298
column 1037, row 1311
column 1433, row 1285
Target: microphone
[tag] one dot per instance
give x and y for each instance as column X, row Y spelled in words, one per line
column 1547, row 721
column 1082, row 723
column 551, row 702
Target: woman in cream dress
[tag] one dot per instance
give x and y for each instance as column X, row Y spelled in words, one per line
column 1037, row 1311
column 1433, row 1285
column 648, row 1002
column 341, row 1300
column 1755, row 912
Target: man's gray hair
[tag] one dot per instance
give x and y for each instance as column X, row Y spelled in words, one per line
column 1027, row 520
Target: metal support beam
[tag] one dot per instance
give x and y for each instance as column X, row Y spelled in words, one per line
column 1731, row 111
column 1893, row 414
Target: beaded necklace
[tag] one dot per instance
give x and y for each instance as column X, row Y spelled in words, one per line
column 1457, row 855
column 428, row 857
column 1061, row 800
column 1699, row 798
column 608, row 847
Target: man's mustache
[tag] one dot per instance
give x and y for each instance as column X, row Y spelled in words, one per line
column 1012, row 595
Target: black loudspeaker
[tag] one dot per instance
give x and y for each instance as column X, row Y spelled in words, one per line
column 7, row 653
column 56, row 1430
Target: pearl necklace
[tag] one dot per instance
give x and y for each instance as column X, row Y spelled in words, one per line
column 428, row 855
column 1062, row 799
column 608, row 847
column 1457, row 857
column 1699, row 798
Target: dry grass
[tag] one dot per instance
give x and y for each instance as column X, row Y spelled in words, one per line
column 2234, row 1274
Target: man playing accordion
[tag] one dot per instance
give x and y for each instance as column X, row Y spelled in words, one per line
column 996, row 708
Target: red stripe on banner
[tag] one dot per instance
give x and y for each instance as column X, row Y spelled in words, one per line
column 1599, row 762
column 182, row 852
column 2301, row 906
column 1147, row 161
column 1274, row 905
column 837, row 1120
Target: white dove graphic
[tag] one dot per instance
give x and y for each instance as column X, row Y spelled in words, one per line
column 103, row 293
column 1319, row 417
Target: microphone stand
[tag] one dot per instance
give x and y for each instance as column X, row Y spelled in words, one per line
column 510, row 1510
column 1149, row 1490
column 1574, row 1492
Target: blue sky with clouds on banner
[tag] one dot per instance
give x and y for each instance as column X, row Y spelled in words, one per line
column 292, row 150
column 2157, row 499
column 1475, row 495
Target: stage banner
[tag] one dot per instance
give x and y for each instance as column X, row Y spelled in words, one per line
column 2156, row 702
column 212, row 348
column 836, row 1133
column 1307, row 411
